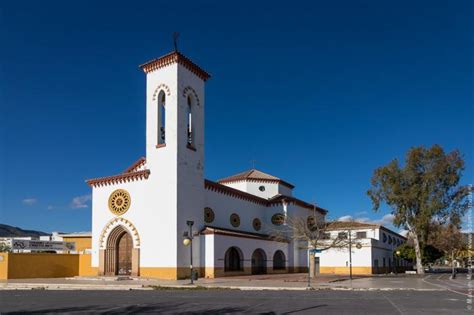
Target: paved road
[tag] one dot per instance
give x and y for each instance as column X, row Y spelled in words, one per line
column 459, row 285
column 235, row 301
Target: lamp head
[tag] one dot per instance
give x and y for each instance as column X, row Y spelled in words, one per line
column 187, row 241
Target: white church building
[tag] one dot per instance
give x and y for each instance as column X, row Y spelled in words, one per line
column 139, row 216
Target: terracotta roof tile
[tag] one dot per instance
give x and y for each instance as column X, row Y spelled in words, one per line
column 210, row 185
column 303, row 204
column 116, row 179
column 136, row 165
column 174, row 57
column 223, row 189
column 254, row 175
column 228, row 232
column 335, row 225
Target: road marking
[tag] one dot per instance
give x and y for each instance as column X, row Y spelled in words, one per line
column 393, row 304
column 444, row 287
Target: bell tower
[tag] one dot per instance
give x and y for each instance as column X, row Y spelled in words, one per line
column 175, row 145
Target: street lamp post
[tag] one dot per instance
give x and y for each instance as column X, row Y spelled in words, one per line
column 397, row 253
column 309, row 271
column 350, row 254
column 188, row 240
column 453, row 270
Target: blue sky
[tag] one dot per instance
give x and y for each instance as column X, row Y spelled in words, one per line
column 319, row 94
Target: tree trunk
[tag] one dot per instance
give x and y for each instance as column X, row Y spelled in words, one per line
column 419, row 265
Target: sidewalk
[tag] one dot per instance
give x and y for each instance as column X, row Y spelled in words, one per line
column 256, row 282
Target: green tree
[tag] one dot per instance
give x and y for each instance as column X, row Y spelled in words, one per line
column 430, row 253
column 425, row 188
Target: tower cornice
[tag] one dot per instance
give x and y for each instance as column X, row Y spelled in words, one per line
column 171, row 58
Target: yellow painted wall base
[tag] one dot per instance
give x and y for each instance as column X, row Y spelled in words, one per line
column 85, row 268
column 172, row 273
column 168, row 273
column 3, row 266
column 41, row 265
column 44, row 265
column 345, row 270
column 359, row 270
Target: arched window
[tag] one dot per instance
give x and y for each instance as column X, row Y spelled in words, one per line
column 233, row 260
column 189, row 117
column 161, row 118
column 279, row 261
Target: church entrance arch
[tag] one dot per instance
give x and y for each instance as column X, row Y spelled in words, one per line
column 119, row 254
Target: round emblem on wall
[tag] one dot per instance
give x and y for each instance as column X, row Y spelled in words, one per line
column 119, row 201
column 311, row 223
column 208, row 215
column 278, row 219
column 257, row 224
column 359, row 245
column 235, row 220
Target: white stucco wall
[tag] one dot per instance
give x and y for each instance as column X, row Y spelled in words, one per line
column 222, row 243
column 253, row 187
column 152, row 219
column 373, row 248
column 174, row 191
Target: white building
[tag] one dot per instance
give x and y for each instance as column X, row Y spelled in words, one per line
column 373, row 250
column 139, row 216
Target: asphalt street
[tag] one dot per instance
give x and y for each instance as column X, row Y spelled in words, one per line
column 234, row 301
column 458, row 285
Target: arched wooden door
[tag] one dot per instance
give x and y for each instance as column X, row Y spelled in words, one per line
column 124, row 254
column 118, row 253
column 259, row 262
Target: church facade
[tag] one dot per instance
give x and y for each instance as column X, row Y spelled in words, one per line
column 141, row 216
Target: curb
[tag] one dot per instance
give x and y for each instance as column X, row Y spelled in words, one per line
column 38, row 286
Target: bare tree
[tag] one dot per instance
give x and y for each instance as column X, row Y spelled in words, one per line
column 313, row 232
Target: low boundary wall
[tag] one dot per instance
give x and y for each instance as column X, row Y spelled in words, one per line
column 44, row 265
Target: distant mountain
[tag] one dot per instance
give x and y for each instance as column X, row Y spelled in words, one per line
column 8, row 231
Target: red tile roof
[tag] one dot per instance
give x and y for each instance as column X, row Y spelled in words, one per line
column 303, row 204
column 341, row 225
column 136, row 165
column 254, row 175
column 131, row 174
column 210, row 185
column 220, row 188
column 116, row 179
column 336, row 225
column 171, row 58
column 228, row 232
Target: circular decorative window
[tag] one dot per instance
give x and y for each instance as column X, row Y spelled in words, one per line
column 257, row 224
column 208, row 215
column 119, row 201
column 235, row 220
column 311, row 223
column 278, row 219
column 261, row 188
